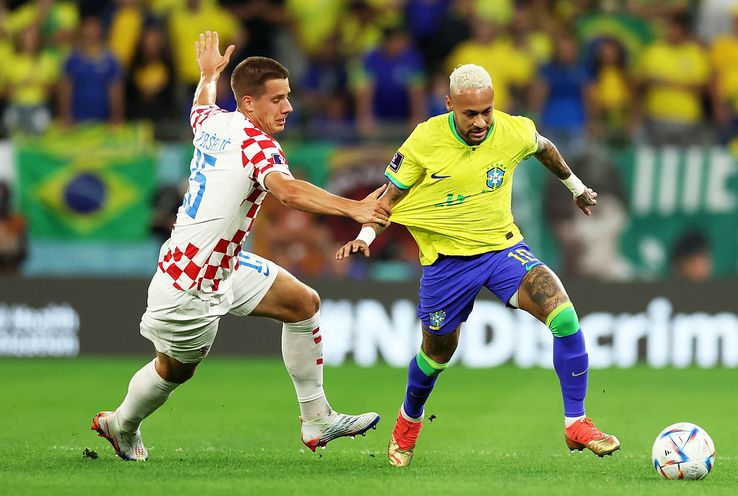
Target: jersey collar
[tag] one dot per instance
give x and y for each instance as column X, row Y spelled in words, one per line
column 452, row 125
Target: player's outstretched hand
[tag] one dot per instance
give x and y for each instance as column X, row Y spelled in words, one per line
column 586, row 200
column 211, row 62
column 369, row 210
column 353, row 246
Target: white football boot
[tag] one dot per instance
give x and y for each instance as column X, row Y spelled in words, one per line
column 334, row 425
column 127, row 445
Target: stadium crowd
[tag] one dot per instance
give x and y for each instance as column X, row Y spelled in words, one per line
column 589, row 72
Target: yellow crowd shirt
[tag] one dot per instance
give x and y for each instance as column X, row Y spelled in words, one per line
column 724, row 53
column 686, row 64
column 507, row 64
column 460, row 198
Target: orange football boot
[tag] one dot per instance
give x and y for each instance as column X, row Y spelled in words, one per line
column 402, row 443
column 583, row 434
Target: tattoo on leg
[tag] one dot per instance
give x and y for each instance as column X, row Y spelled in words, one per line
column 440, row 348
column 544, row 289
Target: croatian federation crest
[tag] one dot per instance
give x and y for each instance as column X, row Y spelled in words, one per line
column 495, row 176
column 437, row 319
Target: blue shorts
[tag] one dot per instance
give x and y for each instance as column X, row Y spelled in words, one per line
column 449, row 286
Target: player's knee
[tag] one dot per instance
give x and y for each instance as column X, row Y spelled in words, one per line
column 174, row 371
column 563, row 320
column 305, row 304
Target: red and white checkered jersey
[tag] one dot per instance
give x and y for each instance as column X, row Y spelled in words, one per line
column 226, row 187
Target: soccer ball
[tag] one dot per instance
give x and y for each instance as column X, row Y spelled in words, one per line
column 683, row 451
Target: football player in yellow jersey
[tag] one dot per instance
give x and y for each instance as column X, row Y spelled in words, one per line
column 450, row 184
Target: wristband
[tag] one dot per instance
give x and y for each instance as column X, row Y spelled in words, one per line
column 367, row 235
column 575, row 185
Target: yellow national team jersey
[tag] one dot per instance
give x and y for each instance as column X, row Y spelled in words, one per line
column 460, row 199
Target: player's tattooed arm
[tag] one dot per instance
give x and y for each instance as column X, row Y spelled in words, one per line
column 551, row 158
column 391, row 197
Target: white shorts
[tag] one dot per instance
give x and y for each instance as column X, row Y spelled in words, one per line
column 183, row 325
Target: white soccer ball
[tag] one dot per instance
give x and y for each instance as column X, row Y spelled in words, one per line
column 683, row 451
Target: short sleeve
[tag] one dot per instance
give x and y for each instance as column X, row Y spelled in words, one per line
column 404, row 169
column 528, row 136
column 200, row 113
column 263, row 155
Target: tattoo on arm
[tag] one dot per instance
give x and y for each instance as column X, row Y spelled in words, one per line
column 391, row 197
column 550, row 157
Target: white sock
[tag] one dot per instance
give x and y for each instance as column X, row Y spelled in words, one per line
column 408, row 417
column 568, row 421
column 302, row 352
column 147, row 391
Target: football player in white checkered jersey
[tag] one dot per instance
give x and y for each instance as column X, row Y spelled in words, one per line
column 202, row 273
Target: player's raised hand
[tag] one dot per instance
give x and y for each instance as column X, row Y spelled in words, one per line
column 586, row 200
column 353, row 246
column 370, row 210
column 211, row 62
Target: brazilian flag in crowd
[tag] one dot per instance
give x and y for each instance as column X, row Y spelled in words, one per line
column 94, row 182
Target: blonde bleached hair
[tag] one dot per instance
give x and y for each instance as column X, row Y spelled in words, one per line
column 469, row 77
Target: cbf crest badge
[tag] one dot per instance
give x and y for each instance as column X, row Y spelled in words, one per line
column 495, row 176
column 437, row 319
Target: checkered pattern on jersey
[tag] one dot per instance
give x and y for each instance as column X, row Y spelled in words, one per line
column 263, row 153
column 200, row 113
column 182, row 267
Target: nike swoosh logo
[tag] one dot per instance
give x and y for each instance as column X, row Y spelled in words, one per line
column 531, row 265
column 436, row 176
column 575, row 374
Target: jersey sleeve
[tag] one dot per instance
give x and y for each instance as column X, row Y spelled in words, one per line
column 200, row 113
column 263, row 155
column 405, row 169
column 528, row 137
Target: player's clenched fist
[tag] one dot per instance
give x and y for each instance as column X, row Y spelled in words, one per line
column 353, row 246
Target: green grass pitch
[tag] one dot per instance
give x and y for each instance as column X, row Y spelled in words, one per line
column 234, row 430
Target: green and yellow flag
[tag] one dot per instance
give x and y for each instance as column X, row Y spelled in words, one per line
column 95, row 182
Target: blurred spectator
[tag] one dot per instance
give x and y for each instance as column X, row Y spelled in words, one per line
column 714, row 17
column 150, row 85
column 659, row 9
column 724, row 52
column 185, row 25
column 590, row 245
column 13, row 248
column 560, row 97
column 675, row 73
column 166, row 203
column 436, row 26
column 6, row 51
column 262, row 20
column 314, row 22
column 612, row 20
column 389, row 86
column 612, row 94
column 92, row 85
column 511, row 66
column 691, row 257
column 324, row 94
column 295, row 240
column 29, row 84
column 437, row 91
column 360, row 29
column 498, row 12
column 57, row 21
column 528, row 37
column 125, row 29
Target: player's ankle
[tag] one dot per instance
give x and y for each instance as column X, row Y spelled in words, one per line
column 569, row 421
